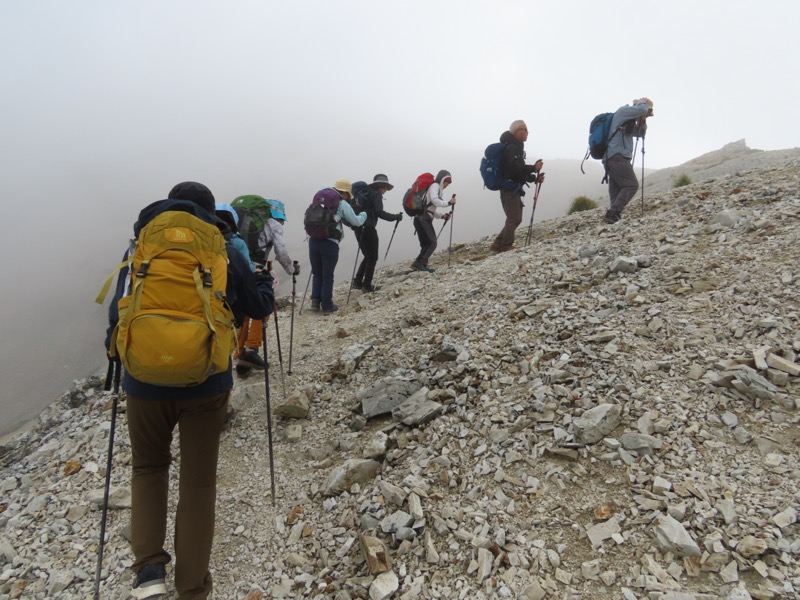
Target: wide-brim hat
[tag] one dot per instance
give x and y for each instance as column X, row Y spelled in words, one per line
column 381, row 180
column 344, row 186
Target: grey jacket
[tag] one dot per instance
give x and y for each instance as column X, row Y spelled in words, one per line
column 622, row 141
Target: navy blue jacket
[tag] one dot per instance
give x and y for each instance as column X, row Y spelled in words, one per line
column 512, row 162
column 373, row 206
column 248, row 294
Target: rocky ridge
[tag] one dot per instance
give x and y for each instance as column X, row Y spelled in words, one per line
column 611, row 412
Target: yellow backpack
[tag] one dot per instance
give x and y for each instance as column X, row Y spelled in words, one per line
column 175, row 327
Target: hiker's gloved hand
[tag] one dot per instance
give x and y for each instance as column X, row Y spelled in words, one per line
column 540, row 178
column 264, row 275
column 447, row 216
column 398, row 217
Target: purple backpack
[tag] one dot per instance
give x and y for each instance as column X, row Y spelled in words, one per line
column 320, row 220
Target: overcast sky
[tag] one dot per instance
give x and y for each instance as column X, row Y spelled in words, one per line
column 105, row 105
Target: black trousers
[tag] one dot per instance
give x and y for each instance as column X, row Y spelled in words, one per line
column 368, row 242
column 427, row 239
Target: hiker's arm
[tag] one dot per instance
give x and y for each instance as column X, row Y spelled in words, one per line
column 113, row 312
column 434, row 193
column 347, row 213
column 253, row 291
column 387, row 216
column 511, row 167
column 280, row 246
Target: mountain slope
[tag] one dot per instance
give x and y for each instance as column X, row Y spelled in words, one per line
column 611, row 408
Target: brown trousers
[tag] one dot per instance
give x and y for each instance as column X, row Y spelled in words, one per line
column 150, row 424
column 512, row 206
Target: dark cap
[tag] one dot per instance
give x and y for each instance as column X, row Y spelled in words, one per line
column 194, row 192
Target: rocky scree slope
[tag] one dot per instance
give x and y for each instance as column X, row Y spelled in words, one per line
column 611, row 412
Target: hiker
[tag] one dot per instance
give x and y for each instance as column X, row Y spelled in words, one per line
column 269, row 237
column 367, row 235
column 423, row 223
column 198, row 408
column 231, row 220
column 628, row 122
column 249, row 335
column 515, row 171
column 324, row 253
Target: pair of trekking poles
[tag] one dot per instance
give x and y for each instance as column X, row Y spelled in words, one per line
column 295, row 265
column 115, row 373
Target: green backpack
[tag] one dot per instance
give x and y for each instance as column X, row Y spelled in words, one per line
column 253, row 213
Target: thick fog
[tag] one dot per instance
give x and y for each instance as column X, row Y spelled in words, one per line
column 105, row 106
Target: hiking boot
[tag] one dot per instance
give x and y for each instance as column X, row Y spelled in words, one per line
column 418, row 266
column 369, row 288
column 150, row 582
column 495, row 247
column 315, row 306
column 328, row 311
column 357, row 284
column 507, row 249
column 250, row 358
column 242, row 371
column 612, row 217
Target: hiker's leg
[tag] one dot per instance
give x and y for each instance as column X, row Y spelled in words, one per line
column 623, row 178
column 242, row 335
column 254, row 336
column 315, row 258
column 512, row 207
column 370, row 250
column 200, row 425
column 359, row 277
column 427, row 233
column 150, row 425
column 420, row 238
column 329, row 257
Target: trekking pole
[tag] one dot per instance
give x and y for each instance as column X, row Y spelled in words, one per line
column 533, row 210
column 642, row 175
column 635, row 147
column 303, row 303
column 396, row 223
column 441, row 230
column 117, row 367
column 450, row 245
column 295, row 266
column 280, row 354
column 269, row 409
column 355, row 264
column 277, row 336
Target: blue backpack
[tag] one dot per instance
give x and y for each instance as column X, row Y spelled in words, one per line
column 490, row 168
column 599, row 137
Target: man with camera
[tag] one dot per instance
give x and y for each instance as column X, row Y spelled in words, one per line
column 628, row 122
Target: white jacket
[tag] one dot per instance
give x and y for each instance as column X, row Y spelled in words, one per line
column 272, row 237
column 433, row 199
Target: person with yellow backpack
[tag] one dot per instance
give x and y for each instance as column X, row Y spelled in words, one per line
column 172, row 328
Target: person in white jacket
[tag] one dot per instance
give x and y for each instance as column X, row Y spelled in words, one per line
column 250, row 333
column 271, row 237
column 423, row 223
